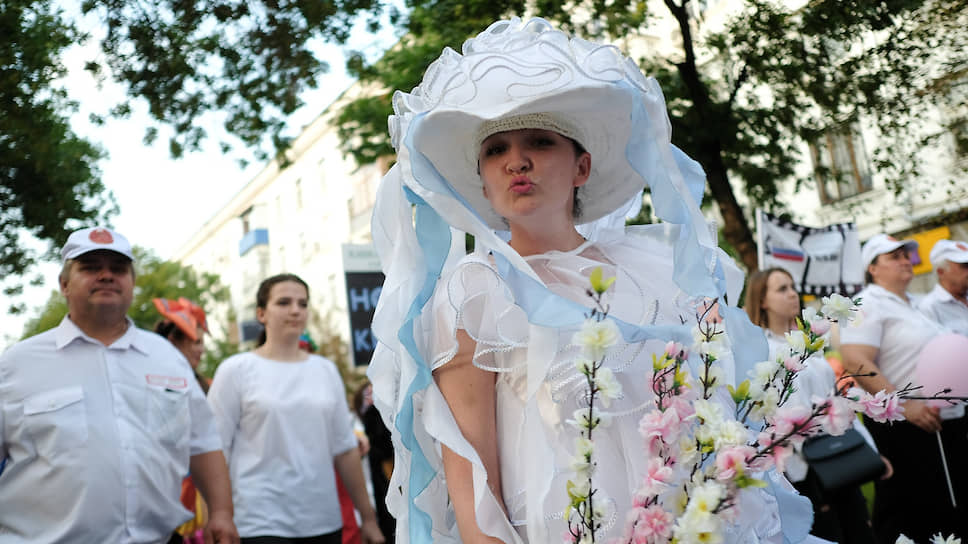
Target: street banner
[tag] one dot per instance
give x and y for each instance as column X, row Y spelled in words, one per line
column 364, row 281
column 822, row 260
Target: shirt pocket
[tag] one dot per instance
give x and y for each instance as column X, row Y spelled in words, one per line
column 169, row 416
column 56, row 420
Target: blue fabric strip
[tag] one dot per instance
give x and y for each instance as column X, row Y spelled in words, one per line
column 434, row 237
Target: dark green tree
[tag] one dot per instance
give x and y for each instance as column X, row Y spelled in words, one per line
column 743, row 99
column 156, row 278
column 49, row 180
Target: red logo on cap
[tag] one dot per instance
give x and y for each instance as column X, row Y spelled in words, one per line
column 101, row 236
column 891, row 238
column 961, row 246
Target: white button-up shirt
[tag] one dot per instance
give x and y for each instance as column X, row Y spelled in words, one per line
column 96, row 439
column 896, row 328
column 944, row 308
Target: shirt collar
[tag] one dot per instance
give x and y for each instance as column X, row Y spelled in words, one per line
column 943, row 294
column 879, row 291
column 68, row 331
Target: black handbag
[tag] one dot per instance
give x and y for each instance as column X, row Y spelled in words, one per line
column 842, row 461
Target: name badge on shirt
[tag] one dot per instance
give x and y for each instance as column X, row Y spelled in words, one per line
column 169, row 382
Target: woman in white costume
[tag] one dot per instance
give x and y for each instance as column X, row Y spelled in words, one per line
column 537, row 144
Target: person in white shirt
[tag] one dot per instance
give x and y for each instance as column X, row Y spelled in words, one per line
column 100, row 420
column 947, row 303
column 773, row 303
column 284, row 422
column 887, row 341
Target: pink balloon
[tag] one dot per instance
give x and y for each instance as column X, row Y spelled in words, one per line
column 943, row 364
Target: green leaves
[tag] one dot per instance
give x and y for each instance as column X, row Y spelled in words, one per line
column 598, row 284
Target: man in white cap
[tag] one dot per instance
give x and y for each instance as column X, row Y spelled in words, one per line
column 887, row 341
column 947, row 303
column 100, row 420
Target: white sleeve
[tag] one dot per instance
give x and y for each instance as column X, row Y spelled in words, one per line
column 205, row 437
column 340, row 419
column 225, row 401
column 867, row 331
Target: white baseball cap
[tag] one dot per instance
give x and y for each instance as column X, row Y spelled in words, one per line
column 880, row 244
column 949, row 250
column 93, row 239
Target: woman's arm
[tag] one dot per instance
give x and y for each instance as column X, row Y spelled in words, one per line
column 351, row 472
column 470, row 393
column 859, row 359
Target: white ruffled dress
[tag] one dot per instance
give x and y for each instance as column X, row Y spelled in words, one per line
column 535, row 442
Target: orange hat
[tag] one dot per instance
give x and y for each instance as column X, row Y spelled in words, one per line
column 185, row 314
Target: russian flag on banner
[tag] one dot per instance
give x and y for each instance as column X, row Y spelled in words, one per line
column 822, row 260
column 787, row 254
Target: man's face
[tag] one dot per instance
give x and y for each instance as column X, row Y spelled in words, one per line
column 99, row 285
column 954, row 278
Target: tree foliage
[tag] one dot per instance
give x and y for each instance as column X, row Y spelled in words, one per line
column 744, row 98
column 247, row 61
column 49, row 180
column 156, row 278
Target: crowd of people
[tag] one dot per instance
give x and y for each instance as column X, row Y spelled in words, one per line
column 538, row 145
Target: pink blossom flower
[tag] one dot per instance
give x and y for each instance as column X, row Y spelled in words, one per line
column 819, row 326
column 731, row 461
column 790, row 417
column 657, row 477
column 881, row 407
column 838, row 417
column 659, row 427
column 653, row 525
column 793, row 364
column 676, row 350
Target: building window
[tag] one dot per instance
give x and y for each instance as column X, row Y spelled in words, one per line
column 840, row 164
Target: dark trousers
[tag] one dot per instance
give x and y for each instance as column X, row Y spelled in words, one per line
column 329, row 538
column 838, row 516
column 915, row 501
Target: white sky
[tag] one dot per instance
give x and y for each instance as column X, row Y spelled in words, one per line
column 164, row 201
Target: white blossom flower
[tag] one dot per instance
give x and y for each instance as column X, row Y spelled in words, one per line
column 608, row 386
column 730, row 433
column 585, row 418
column 762, row 374
column 901, row 539
column 837, row 307
column 711, row 413
column 584, row 365
column 768, row 401
column 706, row 496
column 938, row 539
column 797, row 341
column 595, row 337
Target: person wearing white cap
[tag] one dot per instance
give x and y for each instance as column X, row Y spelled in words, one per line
column 947, row 303
column 886, row 341
column 538, row 144
column 100, row 420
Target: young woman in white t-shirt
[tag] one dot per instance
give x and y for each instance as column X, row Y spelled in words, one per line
column 284, row 423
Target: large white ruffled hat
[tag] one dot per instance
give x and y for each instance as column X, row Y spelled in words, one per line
column 505, row 76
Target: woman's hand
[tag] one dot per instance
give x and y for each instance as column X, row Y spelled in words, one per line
column 888, row 468
column 919, row 413
column 370, row 532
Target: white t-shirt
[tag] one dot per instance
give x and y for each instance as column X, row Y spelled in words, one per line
column 97, row 439
column 895, row 328
column 945, row 309
column 282, row 423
